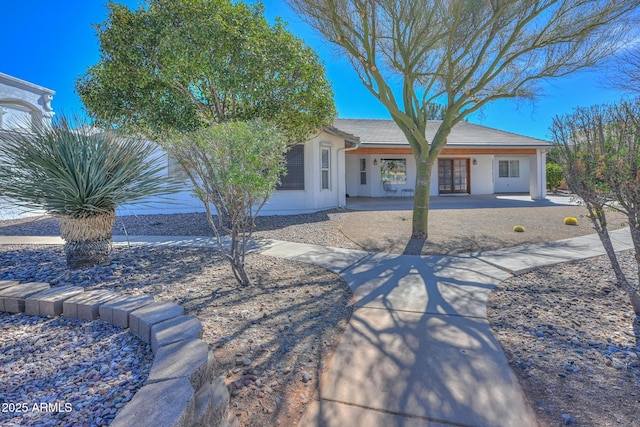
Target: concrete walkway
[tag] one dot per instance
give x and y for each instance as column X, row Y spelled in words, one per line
column 418, row 350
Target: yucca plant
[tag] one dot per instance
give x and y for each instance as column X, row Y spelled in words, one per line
column 80, row 176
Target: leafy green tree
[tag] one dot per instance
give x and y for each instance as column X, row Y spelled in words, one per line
column 601, row 160
column 176, row 65
column 178, row 70
column 80, row 176
column 463, row 54
column 241, row 161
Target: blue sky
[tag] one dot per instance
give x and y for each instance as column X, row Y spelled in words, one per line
column 51, row 43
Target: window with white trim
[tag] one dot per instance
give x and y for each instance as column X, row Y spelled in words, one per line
column 363, row 171
column 324, row 168
column 509, row 168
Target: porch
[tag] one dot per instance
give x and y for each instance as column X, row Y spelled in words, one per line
column 467, row 201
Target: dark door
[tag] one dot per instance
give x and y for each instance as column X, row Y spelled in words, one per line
column 453, row 176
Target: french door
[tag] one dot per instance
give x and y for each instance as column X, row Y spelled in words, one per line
column 453, row 176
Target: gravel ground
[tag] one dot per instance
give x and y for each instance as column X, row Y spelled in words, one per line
column 271, row 340
column 321, row 228
column 572, row 339
column 567, row 330
column 57, row 372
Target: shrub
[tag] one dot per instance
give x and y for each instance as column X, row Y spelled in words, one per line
column 570, row 221
column 518, row 229
column 554, row 176
column 81, row 177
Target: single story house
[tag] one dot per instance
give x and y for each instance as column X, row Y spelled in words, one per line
column 372, row 158
column 351, row 158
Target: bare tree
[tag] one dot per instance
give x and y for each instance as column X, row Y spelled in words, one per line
column 626, row 72
column 462, row 54
column 601, row 159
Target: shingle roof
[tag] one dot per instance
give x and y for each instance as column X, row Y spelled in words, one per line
column 386, row 132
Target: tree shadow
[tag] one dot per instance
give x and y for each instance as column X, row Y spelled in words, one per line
column 418, row 345
column 452, row 245
column 300, row 314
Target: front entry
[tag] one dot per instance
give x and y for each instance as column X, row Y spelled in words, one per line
column 453, row 176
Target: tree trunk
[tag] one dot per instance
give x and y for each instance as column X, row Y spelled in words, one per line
column 605, row 239
column 88, row 241
column 236, row 256
column 634, row 228
column 421, row 199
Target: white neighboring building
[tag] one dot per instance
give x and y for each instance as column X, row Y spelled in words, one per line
column 22, row 106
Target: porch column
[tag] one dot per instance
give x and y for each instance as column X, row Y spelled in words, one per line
column 538, row 175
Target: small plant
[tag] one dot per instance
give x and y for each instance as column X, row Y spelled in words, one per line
column 570, row 221
column 518, row 229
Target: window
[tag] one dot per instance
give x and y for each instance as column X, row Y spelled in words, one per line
column 394, row 171
column 294, row 178
column 363, row 171
column 509, row 168
column 324, row 168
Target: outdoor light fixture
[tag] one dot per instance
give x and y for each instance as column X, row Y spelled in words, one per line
column 375, row 162
column 475, row 161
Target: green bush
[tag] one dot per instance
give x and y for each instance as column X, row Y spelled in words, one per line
column 518, row 229
column 554, row 176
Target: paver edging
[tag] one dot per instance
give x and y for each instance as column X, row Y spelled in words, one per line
column 208, row 405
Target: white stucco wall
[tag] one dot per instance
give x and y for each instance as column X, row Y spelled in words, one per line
column 313, row 198
column 513, row 185
column 373, row 187
column 483, row 175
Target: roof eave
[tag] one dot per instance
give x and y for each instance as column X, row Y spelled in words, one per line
column 26, row 84
column 351, row 140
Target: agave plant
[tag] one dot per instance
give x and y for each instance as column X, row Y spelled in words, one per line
column 80, row 176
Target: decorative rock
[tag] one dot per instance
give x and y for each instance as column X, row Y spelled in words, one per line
column 169, row 403
column 185, row 359
column 142, row 319
column 117, row 311
column 173, row 330
column 13, row 298
column 50, row 301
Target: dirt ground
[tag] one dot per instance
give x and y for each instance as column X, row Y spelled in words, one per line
column 567, row 330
